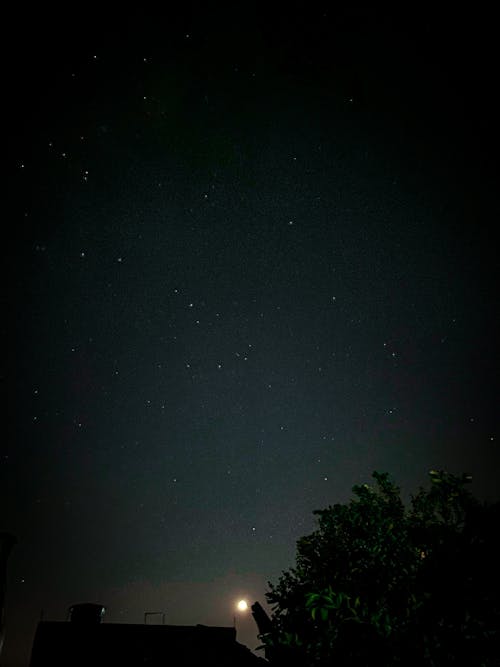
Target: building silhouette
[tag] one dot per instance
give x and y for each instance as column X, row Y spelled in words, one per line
column 84, row 640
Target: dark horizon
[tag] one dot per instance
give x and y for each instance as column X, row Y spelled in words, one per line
column 250, row 260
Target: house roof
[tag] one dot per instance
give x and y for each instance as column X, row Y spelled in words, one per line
column 70, row 644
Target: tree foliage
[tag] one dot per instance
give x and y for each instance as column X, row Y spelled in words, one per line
column 381, row 583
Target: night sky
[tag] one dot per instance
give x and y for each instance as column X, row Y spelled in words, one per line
column 248, row 259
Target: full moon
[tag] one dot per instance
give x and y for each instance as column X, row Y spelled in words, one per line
column 242, row 605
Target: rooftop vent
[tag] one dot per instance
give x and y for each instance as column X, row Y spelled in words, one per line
column 86, row 613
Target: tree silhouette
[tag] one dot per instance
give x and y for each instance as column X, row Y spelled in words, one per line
column 379, row 583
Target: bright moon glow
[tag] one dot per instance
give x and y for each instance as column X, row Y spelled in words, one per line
column 242, row 605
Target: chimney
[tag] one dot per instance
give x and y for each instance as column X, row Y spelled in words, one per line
column 86, row 613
